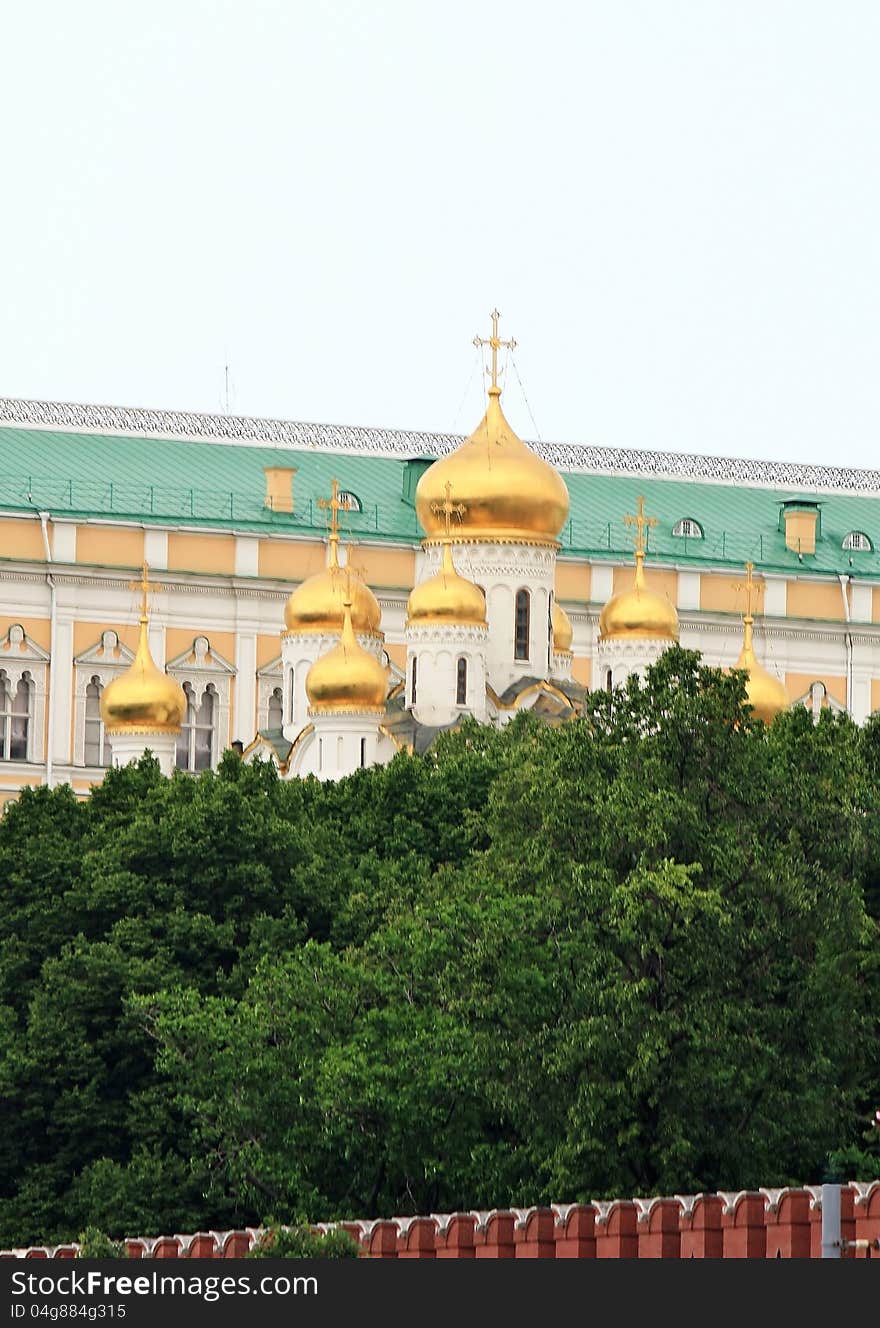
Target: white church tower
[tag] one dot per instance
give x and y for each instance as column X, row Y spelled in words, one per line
column 513, row 506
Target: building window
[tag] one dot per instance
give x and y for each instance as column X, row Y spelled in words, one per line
column 349, row 501
column 291, row 686
column 521, row 625
column 688, row 528
column 97, row 744
column 857, row 541
column 363, row 753
column 461, row 682
column 413, row 681
column 195, row 746
column 15, row 717
column 608, row 682
column 276, row 704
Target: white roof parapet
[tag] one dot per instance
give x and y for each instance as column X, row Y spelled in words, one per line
column 251, row 431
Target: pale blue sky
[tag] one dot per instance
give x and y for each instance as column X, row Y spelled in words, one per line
column 674, row 203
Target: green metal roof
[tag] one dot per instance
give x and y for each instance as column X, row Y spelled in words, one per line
column 191, row 483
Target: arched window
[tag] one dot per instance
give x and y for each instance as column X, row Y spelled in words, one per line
column 688, row 528
column 349, row 501
column 522, row 614
column 413, row 681
column 15, row 717
column 276, row 706
column 461, row 682
column 195, row 746
column 97, row 744
column 363, row 753
column 291, row 691
column 608, row 682
column 857, row 541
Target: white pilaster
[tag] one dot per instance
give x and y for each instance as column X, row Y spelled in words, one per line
column 244, row 720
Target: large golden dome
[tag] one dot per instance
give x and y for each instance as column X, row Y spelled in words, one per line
column 765, row 694
column 347, row 678
column 446, row 597
column 318, row 605
column 509, row 494
column 143, row 699
column 638, row 613
column 562, row 629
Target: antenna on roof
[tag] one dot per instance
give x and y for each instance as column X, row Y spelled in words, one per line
column 226, row 384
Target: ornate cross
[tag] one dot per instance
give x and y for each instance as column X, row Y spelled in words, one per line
column 335, row 507
column 640, row 521
column 449, row 509
column 751, row 589
column 495, row 344
column 143, row 586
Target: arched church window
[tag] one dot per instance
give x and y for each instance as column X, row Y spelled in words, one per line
column 461, row 682
column 276, row 709
column 97, row 744
column 857, row 542
column 688, row 528
column 608, row 681
column 522, row 613
column 348, row 501
column 413, row 681
column 15, row 717
column 197, row 741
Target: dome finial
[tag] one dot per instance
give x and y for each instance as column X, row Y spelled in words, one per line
column 495, row 343
column 144, row 586
column 335, row 507
column 641, row 523
column 449, row 509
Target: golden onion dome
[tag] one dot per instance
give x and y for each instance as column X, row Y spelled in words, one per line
column 447, row 597
column 638, row 613
column 348, row 678
column 143, row 699
column 318, row 604
column 765, row 694
column 508, row 492
column 562, row 629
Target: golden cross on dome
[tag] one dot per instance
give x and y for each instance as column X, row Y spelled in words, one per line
column 496, row 344
column 449, row 509
column 751, row 589
column 641, row 522
column 144, row 585
column 335, row 507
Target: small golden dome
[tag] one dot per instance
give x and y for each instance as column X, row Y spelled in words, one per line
column 347, row 678
column 143, row 699
column 765, row 694
column 562, row 629
column 507, row 491
column 447, row 597
column 318, row 604
column 638, row 613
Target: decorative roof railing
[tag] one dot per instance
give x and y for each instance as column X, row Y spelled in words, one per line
column 572, row 457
